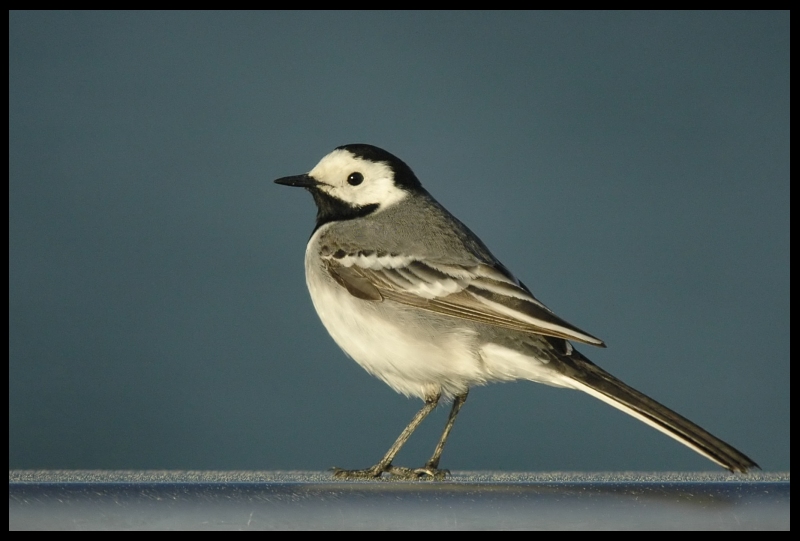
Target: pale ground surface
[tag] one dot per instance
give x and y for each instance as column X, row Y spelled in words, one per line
column 207, row 500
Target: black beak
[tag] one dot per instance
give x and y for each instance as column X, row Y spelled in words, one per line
column 299, row 181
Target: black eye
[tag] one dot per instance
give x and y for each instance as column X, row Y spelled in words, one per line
column 355, row 179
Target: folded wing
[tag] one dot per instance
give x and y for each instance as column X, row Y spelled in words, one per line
column 479, row 292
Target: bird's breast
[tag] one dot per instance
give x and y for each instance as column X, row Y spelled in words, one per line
column 409, row 349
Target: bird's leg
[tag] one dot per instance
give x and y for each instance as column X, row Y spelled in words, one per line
column 433, row 463
column 431, row 469
column 385, row 464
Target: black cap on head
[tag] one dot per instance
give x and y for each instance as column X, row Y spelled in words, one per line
column 404, row 177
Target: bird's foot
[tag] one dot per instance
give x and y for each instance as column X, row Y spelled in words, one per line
column 426, row 473
column 370, row 473
column 398, row 473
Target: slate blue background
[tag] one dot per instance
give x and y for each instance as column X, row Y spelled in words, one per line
column 631, row 168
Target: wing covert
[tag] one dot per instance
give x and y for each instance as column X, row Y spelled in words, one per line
column 478, row 292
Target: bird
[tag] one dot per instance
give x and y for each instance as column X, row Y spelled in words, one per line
column 418, row 300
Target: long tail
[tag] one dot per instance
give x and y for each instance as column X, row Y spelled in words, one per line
column 584, row 375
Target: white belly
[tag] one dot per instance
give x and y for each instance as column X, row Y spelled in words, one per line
column 390, row 341
column 415, row 352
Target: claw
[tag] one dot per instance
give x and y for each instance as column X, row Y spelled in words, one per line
column 418, row 473
column 433, row 473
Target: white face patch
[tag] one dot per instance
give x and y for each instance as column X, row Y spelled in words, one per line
column 378, row 186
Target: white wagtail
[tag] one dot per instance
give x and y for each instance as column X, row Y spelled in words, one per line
column 417, row 299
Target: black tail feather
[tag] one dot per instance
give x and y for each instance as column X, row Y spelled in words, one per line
column 626, row 398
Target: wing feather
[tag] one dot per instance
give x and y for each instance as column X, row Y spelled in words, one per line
column 479, row 293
